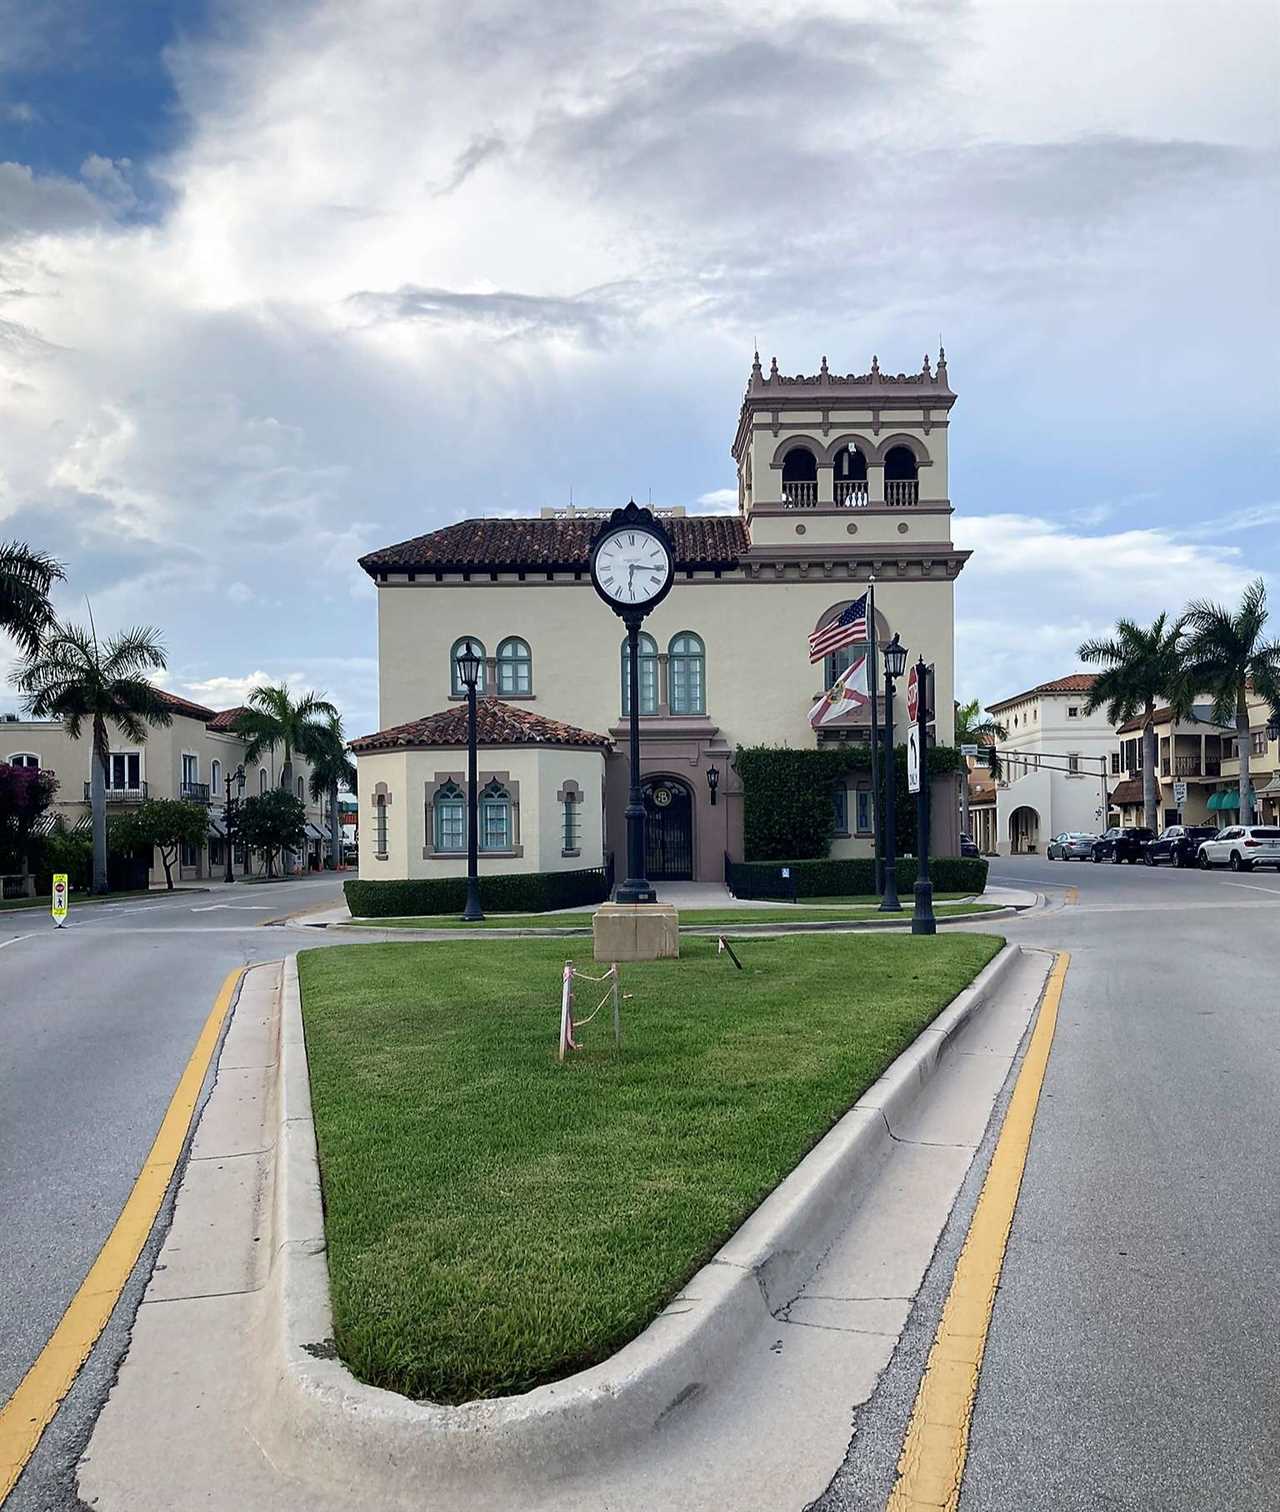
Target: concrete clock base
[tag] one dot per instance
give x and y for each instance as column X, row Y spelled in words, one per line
column 635, row 931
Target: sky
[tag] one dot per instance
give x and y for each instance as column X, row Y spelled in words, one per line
column 282, row 282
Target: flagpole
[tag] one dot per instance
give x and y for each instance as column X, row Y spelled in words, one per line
column 872, row 688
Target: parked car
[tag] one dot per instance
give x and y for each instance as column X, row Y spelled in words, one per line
column 1178, row 844
column 968, row 846
column 1241, row 847
column 1122, row 843
column 1070, row 845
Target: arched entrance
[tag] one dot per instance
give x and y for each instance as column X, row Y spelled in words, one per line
column 1024, row 831
column 668, row 808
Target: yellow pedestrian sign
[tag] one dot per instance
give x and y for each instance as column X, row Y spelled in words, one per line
column 59, row 898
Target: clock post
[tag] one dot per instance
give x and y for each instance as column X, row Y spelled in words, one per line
column 636, row 888
column 632, row 569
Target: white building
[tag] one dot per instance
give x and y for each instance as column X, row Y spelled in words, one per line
column 1056, row 764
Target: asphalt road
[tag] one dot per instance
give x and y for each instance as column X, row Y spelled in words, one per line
column 1131, row 1361
column 97, row 1022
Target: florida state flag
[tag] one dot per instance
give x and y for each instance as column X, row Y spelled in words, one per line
column 847, row 693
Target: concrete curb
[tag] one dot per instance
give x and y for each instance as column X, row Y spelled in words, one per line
column 318, row 1422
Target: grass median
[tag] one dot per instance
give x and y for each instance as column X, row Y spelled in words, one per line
column 496, row 1220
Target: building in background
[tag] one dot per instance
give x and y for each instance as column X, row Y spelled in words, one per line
column 188, row 759
column 840, row 477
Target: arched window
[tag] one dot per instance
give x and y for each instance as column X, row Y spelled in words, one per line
column 900, row 476
column 515, row 667
column 380, row 824
column 215, row 779
column 456, row 684
column 302, row 789
column 800, row 477
column 495, row 817
column 648, row 650
column 849, row 477
column 834, row 664
column 262, row 780
column 25, row 759
column 449, row 818
column 687, row 674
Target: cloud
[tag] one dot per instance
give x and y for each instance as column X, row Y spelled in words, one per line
column 503, row 313
column 107, row 178
column 720, row 500
column 39, row 206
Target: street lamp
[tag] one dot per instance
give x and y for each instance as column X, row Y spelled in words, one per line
column 1273, row 726
column 469, row 667
column 923, row 921
column 713, row 782
column 238, row 778
column 895, row 664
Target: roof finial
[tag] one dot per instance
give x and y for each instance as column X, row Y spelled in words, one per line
column 942, row 363
column 925, row 369
column 756, row 371
column 773, row 367
column 875, row 366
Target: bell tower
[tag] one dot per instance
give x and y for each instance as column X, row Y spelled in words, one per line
column 833, row 455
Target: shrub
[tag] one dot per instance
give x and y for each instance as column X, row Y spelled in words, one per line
column 63, row 850
column 787, row 804
column 517, row 892
column 851, row 877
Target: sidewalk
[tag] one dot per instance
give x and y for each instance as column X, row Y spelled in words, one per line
column 765, row 1438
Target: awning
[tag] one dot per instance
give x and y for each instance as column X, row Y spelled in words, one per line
column 217, row 830
column 314, row 832
column 1227, row 800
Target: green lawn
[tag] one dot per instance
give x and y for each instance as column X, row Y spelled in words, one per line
column 783, row 914
column 496, row 1220
column 78, row 900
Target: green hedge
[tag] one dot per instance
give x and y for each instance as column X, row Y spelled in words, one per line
column 787, row 805
column 852, row 877
column 517, row 892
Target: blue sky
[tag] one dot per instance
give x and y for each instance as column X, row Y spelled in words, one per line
column 281, row 283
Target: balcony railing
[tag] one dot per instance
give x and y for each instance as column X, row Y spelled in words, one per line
column 851, row 493
column 1192, row 766
column 195, row 792
column 134, row 794
column 801, row 495
column 901, row 493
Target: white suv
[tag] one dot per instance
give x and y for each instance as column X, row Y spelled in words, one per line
column 1241, row 847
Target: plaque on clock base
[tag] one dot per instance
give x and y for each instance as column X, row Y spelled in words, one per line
column 636, row 932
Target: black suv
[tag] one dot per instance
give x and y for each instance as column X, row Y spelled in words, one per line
column 1179, row 844
column 1125, row 843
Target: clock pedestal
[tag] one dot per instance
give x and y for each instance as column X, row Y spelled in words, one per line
column 635, row 932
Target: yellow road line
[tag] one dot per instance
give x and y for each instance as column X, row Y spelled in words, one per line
column 30, row 1409
column 931, row 1468
column 1073, row 895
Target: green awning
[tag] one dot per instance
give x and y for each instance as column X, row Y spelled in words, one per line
column 1224, row 800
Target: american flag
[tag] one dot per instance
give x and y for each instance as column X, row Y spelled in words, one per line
column 848, row 626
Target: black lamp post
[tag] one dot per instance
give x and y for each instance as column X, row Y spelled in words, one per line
column 469, row 668
column 923, row 921
column 713, row 782
column 895, row 664
column 1273, row 726
column 228, row 814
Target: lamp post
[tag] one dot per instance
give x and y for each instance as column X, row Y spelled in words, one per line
column 923, row 921
column 895, row 664
column 713, row 782
column 227, row 813
column 469, row 665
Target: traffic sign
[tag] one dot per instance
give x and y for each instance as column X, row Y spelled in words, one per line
column 913, row 696
column 968, row 750
column 1179, row 794
column 59, row 904
column 913, row 759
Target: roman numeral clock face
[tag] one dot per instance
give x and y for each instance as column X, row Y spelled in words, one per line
column 632, row 568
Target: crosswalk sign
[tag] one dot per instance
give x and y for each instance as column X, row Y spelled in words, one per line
column 59, row 898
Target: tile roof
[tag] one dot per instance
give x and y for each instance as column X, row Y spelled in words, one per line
column 1073, row 682
column 497, row 724
column 185, row 707
column 225, row 718
column 562, row 543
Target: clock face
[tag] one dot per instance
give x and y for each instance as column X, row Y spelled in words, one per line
column 632, row 568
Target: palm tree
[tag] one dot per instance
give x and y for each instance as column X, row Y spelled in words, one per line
column 26, row 578
column 273, row 719
column 69, row 676
column 973, row 729
column 331, row 768
column 1225, row 654
column 1141, row 668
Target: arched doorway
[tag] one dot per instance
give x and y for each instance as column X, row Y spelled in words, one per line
column 668, row 807
column 1024, row 831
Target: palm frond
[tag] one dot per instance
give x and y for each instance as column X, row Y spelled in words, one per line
column 26, row 578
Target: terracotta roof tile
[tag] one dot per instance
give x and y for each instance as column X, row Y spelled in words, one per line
column 185, row 706
column 561, row 543
column 1073, row 682
column 497, row 724
column 225, row 718
column 1128, row 791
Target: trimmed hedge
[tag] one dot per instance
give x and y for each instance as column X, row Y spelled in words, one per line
column 851, row 877
column 516, row 892
column 787, row 806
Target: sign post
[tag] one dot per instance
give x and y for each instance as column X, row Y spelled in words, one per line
column 923, row 921
column 1179, row 796
column 59, row 902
